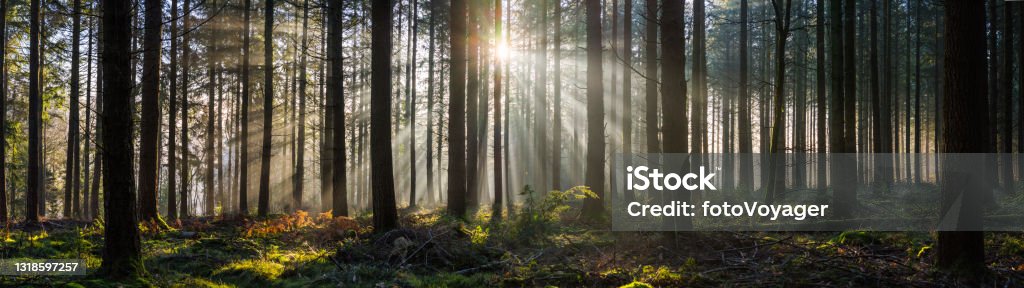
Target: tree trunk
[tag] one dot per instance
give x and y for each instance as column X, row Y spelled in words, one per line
column 268, row 107
column 3, row 114
column 556, row 130
column 300, row 152
column 594, row 207
column 700, row 83
column 837, row 116
column 385, row 215
column 335, row 90
column 1007, row 98
column 962, row 252
column 210, row 154
column 472, row 100
column 651, row 71
column 746, row 134
column 627, row 86
column 243, row 180
column 410, row 105
column 71, row 179
column 497, row 206
column 430, row 103
column 457, row 112
column 120, row 218
column 34, row 117
column 186, row 59
column 777, row 163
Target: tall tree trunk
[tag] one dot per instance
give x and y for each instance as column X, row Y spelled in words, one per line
column 777, row 164
column 120, row 217
column 3, row 114
column 457, row 112
column 268, row 107
column 212, row 53
column 410, row 105
column 837, row 116
column 186, row 64
column 540, row 110
column 820, row 81
column 335, row 90
column 430, row 102
column 172, row 122
column 472, row 101
column 594, row 207
column 627, row 85
column 84, row 189
column 71, row 181
column 673, row 82
column 963, row 251
column 243, row 180
column 746, row 134
column 149, row 148
column 651, row 71
column 800, row 104
column 700, row 86
column 556, row 129
column 1007, row 98
column 876, row 98
column 385, row 215
column 917, row 96
column 35, row 111
column 497, row 206
column 300, row 152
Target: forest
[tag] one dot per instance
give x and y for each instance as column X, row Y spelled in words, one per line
column 471, row 143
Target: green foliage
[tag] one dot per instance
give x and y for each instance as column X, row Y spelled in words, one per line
column 539, row 215
column 637, row 284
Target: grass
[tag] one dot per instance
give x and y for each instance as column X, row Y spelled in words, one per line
column 432, row 250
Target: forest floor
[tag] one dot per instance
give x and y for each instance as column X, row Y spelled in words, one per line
column 431, row 250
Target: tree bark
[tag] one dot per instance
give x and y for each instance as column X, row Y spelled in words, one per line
column 35, row 111
column 72, row 179
column 243, row 180
column 385, row 215
column 457, row 112
column 335, row 90
column 594, row 207
column 965, row 74
column 268, row 107
column 300, row 152
column 120, row 218
column 746, row 134
column 497, row 206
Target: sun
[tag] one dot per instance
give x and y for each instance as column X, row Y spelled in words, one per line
column 503, row 51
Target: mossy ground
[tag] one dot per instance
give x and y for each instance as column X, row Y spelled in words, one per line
column 431, row 250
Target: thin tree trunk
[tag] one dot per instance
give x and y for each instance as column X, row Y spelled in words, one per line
column 556, row 130
column 211, row 154
column 497, row 206
column 430, row 103
column 186, row 59
column 71, row 172
column 3, row 113
column 300, row 152
column 149, row 148
column 243, row 165
column 268, row 107
column 34, row 117
column 777, row 164
column 746, row 134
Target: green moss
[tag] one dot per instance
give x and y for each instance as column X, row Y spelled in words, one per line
column 637, row 284
column 260, row 271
